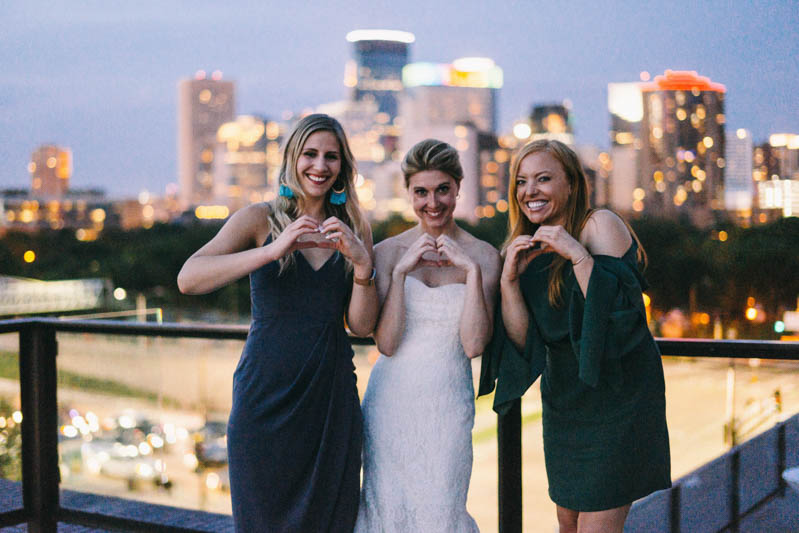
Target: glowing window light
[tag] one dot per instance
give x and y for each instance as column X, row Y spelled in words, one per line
column 522, row 130
column 211, row 211
column 380, row 35
column 473, row 64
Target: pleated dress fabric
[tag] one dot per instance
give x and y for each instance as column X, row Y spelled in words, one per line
column 295, row 428
column 604, row 422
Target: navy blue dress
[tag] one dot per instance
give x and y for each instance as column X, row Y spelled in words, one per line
column 295, row 429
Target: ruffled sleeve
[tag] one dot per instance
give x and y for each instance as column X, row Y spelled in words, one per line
column 609, row 322
column 512, row 371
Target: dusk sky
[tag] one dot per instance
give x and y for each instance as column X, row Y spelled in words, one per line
column 100, row 77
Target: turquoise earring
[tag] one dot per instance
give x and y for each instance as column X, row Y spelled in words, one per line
column 338, row 197
column 285, row 192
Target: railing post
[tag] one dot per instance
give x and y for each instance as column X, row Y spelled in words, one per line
column 509, row 448
column 781, row 483
column 674, row 509
column 40, row 476
column 735, row 503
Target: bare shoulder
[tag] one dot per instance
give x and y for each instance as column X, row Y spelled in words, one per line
column 387, row 250
column 485, row 254
column 605, row 233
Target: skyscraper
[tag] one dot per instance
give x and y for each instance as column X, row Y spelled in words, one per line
column 376, row 73
column 776, row 173
column 667, row 150
column 457, row 104
column 552, row 121
column 204, row 104
column 738, row 184
column 251, row 160
column 626, row 106
column 50, row 168
column 682, row 154
column 443, row 94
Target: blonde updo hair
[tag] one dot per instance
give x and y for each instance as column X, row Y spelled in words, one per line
column 432, row 154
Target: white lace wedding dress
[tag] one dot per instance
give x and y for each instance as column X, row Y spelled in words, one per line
column 418, row 417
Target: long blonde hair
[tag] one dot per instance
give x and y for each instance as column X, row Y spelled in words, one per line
column 578, row 208
column 285, row 210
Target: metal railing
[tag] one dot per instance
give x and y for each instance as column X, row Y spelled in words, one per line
column 38, row 348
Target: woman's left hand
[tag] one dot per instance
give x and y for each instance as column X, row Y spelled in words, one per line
column 343, row 239
column 454, row 254
column 557, row 239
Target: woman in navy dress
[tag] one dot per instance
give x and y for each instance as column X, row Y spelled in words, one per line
column 295, row 429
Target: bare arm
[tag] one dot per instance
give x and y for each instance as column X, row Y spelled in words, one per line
column 515, row 315
column 232, row 254
column 364, row 306
column 604, row 233
column 391, row 274
column 476, row 322
column 228, row 256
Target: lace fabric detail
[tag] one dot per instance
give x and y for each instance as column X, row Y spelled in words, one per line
column 418, row 418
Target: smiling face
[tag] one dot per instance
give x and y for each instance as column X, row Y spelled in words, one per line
column 433, row 196
column 542, row 189
column 319, row 163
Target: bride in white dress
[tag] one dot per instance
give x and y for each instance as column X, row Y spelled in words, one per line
column 437, row 285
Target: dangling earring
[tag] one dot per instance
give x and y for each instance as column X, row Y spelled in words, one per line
column 285, row 192
column 338, row 197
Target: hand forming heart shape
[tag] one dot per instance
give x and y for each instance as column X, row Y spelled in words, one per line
column 436, row 259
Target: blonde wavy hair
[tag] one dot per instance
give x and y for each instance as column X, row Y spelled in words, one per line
column 578, row 208
column 286, row 210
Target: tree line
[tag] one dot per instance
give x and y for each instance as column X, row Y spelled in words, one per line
column 712, row 271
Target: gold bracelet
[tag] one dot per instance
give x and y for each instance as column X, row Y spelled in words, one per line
column 366, row 282
column 575, row 263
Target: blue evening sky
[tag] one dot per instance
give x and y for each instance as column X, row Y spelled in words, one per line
column 100, row 77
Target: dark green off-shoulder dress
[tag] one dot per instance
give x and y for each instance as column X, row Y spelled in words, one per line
column 604, row 412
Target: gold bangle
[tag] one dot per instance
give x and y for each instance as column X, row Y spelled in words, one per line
column 575, row 263
column 366, row 282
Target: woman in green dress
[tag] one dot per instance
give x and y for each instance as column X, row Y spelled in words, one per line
column 572, row 312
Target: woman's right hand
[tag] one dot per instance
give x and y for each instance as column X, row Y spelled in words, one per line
column 412, row 258
column 518, row 256
column 288, row 241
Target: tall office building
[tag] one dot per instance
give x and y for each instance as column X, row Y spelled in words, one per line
column 667, row 147
column 204, row 104
column 376, row 72
column 456, row 103
column 250, row 160
column 682, row 154
column 445, row 94
column 738, row 184
column 626, row 107
column 776, row 173
column 50, row 168
column 552, row 121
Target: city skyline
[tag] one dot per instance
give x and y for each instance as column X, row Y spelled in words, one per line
column 102, row 80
